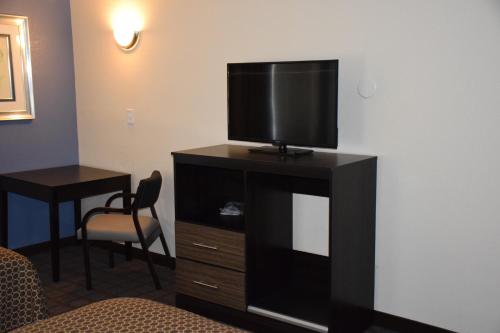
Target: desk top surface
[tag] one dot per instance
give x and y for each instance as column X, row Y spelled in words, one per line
column 61, row 176
column 314, row 160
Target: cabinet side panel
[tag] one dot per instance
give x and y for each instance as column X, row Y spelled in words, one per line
column 352, row 229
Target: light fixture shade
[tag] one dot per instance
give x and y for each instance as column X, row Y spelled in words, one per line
column 127, row 39
column 127, row 25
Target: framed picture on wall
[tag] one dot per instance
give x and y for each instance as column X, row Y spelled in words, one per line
column 7, row 91
column 16, row 83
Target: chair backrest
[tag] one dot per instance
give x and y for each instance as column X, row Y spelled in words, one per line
column 148, row 191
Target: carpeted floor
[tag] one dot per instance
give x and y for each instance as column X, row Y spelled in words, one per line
column 127, row 278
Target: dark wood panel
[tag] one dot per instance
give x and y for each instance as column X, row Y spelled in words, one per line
column 61, row 176
column 352, row 245
column 28, row 189
column 65, row 183
column 344, row 282
column 92, row 188
column 254, row 165
column 210, row 245
column 213, row 284
column 240, row 153
column 54, row 238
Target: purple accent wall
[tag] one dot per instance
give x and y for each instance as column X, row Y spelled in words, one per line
column 50, row 139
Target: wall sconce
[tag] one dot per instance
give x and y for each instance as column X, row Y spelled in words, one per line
column 127, row 39
column 127, row 26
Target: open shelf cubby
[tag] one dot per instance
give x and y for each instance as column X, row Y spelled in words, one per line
column 280, row 279
column 201, row 191
column 303, row 293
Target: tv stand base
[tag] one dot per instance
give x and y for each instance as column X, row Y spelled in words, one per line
column 281, row 150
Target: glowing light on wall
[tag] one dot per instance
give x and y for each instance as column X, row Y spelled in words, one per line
column 127, row 25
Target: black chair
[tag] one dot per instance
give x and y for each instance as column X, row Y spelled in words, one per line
column 125, row 225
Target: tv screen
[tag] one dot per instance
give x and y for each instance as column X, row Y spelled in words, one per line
column 284, row 103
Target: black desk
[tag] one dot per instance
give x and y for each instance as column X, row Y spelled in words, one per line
column 55, row 185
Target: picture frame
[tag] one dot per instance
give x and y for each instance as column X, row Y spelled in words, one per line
column 16, row 82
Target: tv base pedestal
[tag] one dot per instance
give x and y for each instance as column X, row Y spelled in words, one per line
column 280, row 150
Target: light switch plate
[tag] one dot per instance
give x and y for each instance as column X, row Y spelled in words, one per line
column 130, row 117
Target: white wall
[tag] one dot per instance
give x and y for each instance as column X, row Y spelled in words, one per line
column 433, row 121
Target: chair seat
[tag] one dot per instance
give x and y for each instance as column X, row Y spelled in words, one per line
column 118, row 227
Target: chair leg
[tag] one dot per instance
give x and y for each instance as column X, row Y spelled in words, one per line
column 149, row 260
column 87, row 262
column 164, row 245
column 111, row 259
column 151, row 266
column 144, row 246
column 128, row 251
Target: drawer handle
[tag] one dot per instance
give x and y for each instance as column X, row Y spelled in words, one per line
column 213, row 286
column 206, row 246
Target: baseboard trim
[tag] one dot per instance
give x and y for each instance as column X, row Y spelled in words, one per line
column 258, row 323
column 401, row 324
column 159, row 259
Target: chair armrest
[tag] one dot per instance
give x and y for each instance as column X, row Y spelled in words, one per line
column 119, row 195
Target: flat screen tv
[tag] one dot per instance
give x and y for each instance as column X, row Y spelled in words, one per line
column 284, row 103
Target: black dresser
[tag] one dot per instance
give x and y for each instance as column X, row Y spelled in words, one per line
column 244, row 270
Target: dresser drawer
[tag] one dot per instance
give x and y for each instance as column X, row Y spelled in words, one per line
column 212, row 284
column 210, row 245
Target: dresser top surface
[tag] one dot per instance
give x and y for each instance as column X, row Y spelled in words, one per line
column 237, row 152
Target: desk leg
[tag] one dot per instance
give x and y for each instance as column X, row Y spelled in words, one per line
column 54, row 238
column 77, row 205
column 4, row 220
